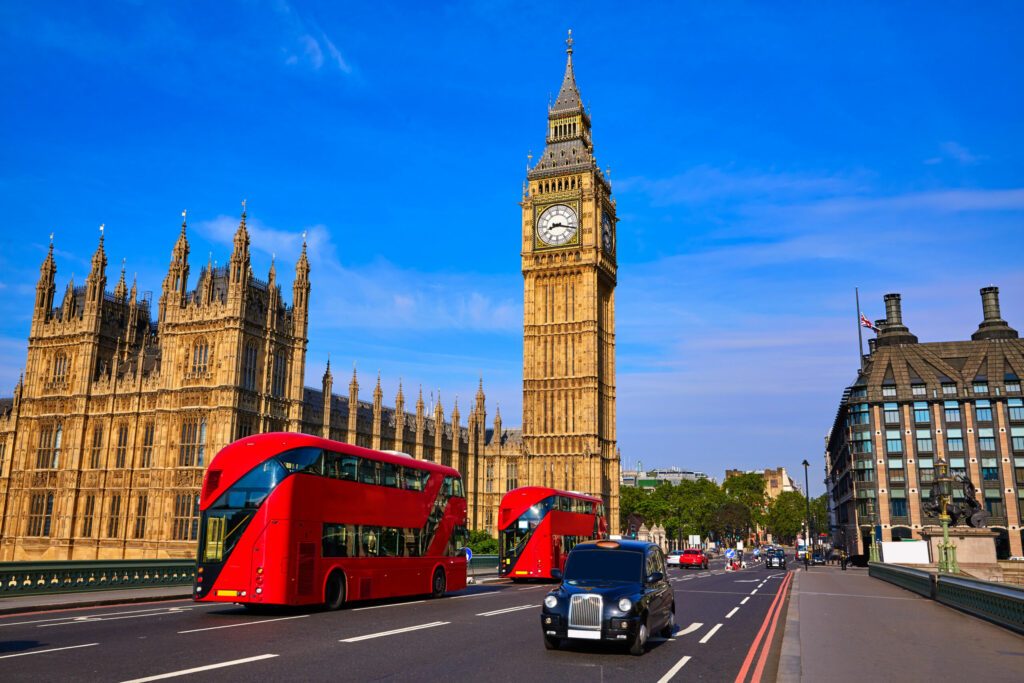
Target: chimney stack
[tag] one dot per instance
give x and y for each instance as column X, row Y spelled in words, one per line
column 993, row 326
column 893, row 331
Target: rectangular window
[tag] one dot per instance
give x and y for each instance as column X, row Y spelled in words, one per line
column 948, row 389
column 389, row 474
column 925, row 470
column 899, row 507
column 892, row 413
column 1012, row 387
column 140, row 518
column 983, row 410
column 893, row 441
column 3, row 452
column 369, row 541
column 980, row 388
column 1017, row 438
column 986, row 439
column 88, row 512
column 97, row 447
column 186, row 517
column 924, row 441
column 114, row 520
column 48, row 453
column 193, row 442
column 952, row 410
column 921, row 413
column 989, row 469
column 859, row 392
column 40, row 512
column 147, row 444
column 278, row 380
column 369, row 472
column 249, row 367
column 889, row 391
column 954, row 440
column 121, row 454
column 918, row 390
column 862, row 442
column 1016, row 406
column 338, row 540
column 896, row 476
column 511, row 476
column 489, row 481
column 859, row 414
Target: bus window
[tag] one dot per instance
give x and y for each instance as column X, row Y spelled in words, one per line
column 564, row 504
column 389, row 474
column 349, row 466
column 369, row 541
column 337, row 540
column 415, row 479
column 457, row 489
column 308, row 460
column 412, row 542
column 453, row 487
column 369, row 471
column 390, row 542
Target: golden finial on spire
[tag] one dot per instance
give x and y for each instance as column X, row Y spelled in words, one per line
column 243, row 206
column 102, row 228
column 568, row 43
column 51, row 239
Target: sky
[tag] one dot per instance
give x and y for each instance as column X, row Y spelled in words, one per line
column 766, row 159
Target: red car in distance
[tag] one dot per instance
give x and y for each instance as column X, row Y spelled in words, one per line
column 693, row 557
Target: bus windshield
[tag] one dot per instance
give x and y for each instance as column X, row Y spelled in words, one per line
column 514, row 537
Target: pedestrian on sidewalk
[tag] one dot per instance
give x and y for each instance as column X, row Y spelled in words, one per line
column 843, row 559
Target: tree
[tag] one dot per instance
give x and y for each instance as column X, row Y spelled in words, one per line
column 482, row 543
column 748, row 490
column 786, row 515
column 819, row 514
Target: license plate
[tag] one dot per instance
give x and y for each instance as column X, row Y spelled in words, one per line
column 227, row 594
column 586, row 635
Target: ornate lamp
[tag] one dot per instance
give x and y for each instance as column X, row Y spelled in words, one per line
column 947, row 551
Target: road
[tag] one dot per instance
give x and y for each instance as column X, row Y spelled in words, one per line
column 490, row 630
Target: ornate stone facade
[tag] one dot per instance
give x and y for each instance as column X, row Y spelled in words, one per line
column 104, row 444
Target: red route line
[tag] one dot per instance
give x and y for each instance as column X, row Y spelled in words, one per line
column 768, row 639
column 775, row 606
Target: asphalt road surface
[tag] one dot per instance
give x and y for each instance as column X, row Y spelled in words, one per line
column 488, row 631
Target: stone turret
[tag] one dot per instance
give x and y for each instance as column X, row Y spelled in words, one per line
column 893, row 331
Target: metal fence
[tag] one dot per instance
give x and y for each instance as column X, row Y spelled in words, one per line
column 996, row 602
column 482, row 565
column 916, row 580
column 34, row 578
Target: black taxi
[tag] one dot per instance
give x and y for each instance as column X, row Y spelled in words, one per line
column 612, row 591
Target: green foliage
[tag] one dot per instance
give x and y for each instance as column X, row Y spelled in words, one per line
column 482, row 543
column 786, row 516
column 819, row 514
column 748, row 490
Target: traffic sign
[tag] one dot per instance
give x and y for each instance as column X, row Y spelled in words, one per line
column 469, row 554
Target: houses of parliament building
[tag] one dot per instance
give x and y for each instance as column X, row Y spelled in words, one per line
column 122, row 405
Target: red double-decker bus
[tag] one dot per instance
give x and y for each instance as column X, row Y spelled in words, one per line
column 538, row 526
column 293, row 519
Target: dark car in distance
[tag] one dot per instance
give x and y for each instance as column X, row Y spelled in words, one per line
column 775, row 559
column 613, row 591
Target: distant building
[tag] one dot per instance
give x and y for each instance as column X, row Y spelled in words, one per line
column 913, row 405
column 649, row 479
column 775, row 481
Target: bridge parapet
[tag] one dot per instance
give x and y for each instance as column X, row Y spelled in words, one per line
column 73, row 576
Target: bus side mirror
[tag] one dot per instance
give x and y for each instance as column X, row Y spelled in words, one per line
column 556, row 574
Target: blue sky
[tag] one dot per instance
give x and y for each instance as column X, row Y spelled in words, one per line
column 766, row 159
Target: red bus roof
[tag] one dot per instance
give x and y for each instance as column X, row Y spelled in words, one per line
column 536, row 493
column 238, row 458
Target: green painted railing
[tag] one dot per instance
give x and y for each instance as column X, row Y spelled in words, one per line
column 34, row 578
column 916, row 580
column 483, row 564
column 996, row 602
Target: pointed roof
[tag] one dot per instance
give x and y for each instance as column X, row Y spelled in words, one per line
column 48, row 267
column 568, row 99
column 99, row 258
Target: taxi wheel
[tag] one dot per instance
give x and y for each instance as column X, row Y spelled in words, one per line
column 670, row 627
column 551, row 643
column 640, row 640
column 439, row 584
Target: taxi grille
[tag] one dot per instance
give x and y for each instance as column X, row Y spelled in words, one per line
column 585, row 611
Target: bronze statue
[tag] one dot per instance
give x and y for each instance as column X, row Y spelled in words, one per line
column 969, row 511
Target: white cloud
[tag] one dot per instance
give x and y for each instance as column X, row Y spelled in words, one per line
column 312, row 50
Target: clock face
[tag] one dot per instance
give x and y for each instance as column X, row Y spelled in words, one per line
column 606, row 231
column 557, row 225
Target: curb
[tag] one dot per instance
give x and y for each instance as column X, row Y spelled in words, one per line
column 93, row 602
column 789, row 659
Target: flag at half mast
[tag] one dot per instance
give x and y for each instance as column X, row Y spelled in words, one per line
column 864, row 322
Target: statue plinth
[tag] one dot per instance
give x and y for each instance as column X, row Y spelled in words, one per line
column 973, row 546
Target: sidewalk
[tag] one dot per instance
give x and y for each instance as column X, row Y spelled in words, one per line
column 38, row 603
column 846, row 626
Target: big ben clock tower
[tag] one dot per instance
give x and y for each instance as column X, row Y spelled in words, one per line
column 569, row 276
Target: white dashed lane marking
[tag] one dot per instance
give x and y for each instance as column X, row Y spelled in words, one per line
column 710, row 633
column 356, row 639
column 734, row 611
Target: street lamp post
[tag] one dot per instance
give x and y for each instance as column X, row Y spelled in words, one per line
column 807, row 498
column 947, row 551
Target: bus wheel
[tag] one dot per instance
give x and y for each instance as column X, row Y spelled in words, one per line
column 334, row 596
column 438, row 584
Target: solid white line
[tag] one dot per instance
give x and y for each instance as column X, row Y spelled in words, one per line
column 244, row 623
column 744, row 600
column 531, row 588
column 391, row 633
column 507, row 609
column 712, row 632
column 674, row 670
column 734, row 611
column 185, row 672
column 92, row 620
column 474, row 595
column 394, row 604
column 96, row 617
column 695, row 626
column 53, row 649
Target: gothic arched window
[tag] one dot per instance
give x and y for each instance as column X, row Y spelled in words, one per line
column 60, row 367
column 200, row 357
column 280, row 367
column 249, row 366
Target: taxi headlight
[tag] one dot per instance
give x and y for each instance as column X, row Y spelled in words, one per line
column 625, row 604
column 551, row 602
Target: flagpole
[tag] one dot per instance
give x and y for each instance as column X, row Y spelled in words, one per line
column 860, row 333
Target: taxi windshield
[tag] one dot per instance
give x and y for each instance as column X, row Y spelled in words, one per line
column 593, row 566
